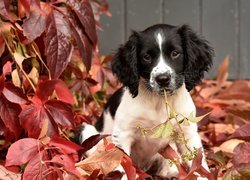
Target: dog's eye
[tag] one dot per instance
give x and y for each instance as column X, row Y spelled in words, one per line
column 175, row 54
column 147, row 58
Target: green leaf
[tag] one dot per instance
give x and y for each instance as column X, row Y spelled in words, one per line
column 167, row 130
column 158, row 132
column 172, row 113
column 194, row 119
column 164, row 130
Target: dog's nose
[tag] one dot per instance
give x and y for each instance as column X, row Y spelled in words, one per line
column 163, row 80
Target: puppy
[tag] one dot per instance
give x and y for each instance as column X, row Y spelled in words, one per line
column 161, row 57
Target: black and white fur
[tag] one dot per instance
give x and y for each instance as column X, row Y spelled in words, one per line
column 162, row 56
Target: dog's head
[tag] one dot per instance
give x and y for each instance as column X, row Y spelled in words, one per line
column 163, row 57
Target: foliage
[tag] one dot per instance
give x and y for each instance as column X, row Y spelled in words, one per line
column 52, row 79
column 226, row 131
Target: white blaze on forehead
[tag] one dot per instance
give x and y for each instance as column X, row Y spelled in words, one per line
column 162, row 66
column 159, row 40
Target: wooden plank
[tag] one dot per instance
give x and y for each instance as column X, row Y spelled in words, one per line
column 112, row 34
column 244, row 39
column 177, row 12
column 220, row 28
column 142, row 14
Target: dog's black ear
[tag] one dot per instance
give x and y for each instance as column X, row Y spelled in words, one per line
column 198, row 56
column 124, row 64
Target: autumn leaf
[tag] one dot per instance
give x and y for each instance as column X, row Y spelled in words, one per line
column 241, row 154
column 242, row 132
column 83, row 43
column 85, row 14
column 22, row 151
column 8, row 175
column 66, row 163
column 34, row 24
column 9, row 114
column 67, row 147
column 14, row 94
column 57, row 44
column 5, row 10
column 32, row 118
column 128, row 167
column 223, row 71
column 105, row 160
column 60, row 112
column 35, row 169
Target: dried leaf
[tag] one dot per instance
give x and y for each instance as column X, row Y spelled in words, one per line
column 8, row 175
column 228, row 146
column 223, row 71
column 106, row 161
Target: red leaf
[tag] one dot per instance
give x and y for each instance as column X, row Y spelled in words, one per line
column 114, row 175
column 67, row 147
column 85, row 14
column 28, row 3
column 22, row 151
column 61, row 112
column 32, row 118
column 67, row 163
column 2, row 83
column 241, row 154
column 82, row 40
column 35, row 168
column 197, row 167
column 94, row 174
column 4, row 9
column 45, row 89
column 14, row 94
column 34, row 25
column 93, row 140
column 242, row 133
column 169, row 153
column 57, row 44
column 7, row 69
column 127, row 165
column 142, row 175
column 63, row 93
column 9, row 114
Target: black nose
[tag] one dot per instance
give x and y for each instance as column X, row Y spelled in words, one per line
column 163, row 80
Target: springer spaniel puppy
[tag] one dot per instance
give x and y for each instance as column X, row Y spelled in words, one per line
column 161, row 57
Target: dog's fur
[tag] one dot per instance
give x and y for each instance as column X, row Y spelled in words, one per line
column 161, row 57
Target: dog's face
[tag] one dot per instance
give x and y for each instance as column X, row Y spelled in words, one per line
column 163, row 57
column 160, row 59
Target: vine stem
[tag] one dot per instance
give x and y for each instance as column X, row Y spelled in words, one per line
column 24, row 73
column 40, row 58
column 175, row 117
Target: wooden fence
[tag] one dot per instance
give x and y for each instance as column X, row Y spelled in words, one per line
column 224, row 23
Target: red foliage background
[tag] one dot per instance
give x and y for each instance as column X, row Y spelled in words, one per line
column 52, row 79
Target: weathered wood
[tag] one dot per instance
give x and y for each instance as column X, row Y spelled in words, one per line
column 142, row 13
column 244, row 69
column 224, row 23
column 219, row 26
column 113, row 28
column 177, row 12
